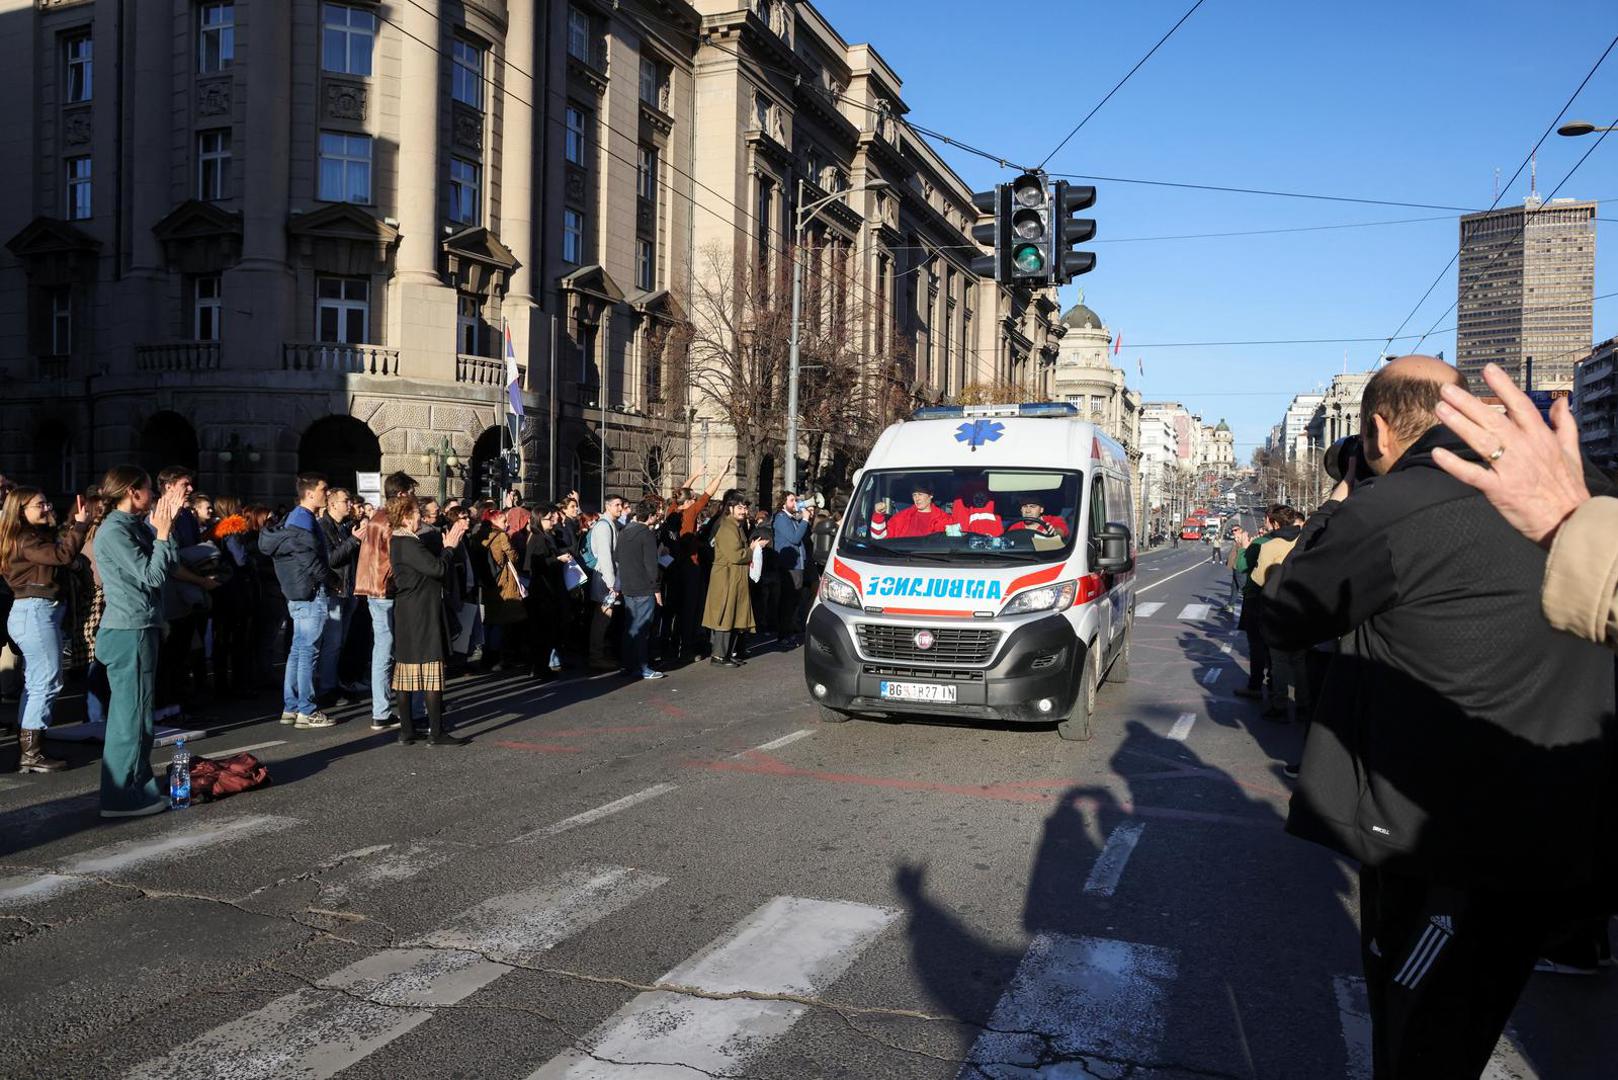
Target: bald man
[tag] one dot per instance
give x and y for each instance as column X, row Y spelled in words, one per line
column 1461, row 750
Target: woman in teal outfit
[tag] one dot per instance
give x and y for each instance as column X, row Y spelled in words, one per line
column 133, row 558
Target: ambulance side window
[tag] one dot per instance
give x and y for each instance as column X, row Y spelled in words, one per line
column 1098, row 516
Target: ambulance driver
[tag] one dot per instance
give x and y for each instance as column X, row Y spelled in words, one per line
column 1038, row 522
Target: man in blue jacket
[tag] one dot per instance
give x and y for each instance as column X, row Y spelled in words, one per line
column 791, row 527
column 303, row 570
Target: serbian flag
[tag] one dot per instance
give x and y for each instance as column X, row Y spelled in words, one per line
column 1117, row 343
column 513, row 379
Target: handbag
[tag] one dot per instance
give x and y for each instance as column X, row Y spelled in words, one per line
column 510, row 584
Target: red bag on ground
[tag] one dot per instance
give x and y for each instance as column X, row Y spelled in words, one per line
column 212, row 779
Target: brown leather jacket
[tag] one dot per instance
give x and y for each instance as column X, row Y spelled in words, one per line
column 1580, row 593
column 374, row 574
column 36, row 567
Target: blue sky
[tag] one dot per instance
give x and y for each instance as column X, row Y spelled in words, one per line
column 1411, row 102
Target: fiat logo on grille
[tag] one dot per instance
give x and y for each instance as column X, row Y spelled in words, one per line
column 924, row 639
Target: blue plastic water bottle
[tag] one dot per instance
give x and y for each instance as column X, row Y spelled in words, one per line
column 180, row 777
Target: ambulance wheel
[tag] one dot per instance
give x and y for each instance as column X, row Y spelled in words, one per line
column 829, row 715
column 1076, row 728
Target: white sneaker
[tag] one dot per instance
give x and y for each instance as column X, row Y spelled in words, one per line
column 289, row 718
column 316, row 719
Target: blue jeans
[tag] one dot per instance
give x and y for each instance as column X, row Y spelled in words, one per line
column 638, row 632
column 35, row 626
column 308, row 621
column 382, row 662
column 339, row 613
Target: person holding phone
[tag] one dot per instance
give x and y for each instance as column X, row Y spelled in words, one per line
column 34, row 556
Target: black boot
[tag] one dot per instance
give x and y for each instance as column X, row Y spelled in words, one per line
column 436, row 735
column 407, row 721
column 31, row 741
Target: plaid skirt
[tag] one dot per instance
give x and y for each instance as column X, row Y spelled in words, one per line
column 419, row 678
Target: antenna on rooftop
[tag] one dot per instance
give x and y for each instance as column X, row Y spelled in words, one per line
column 1497, row 183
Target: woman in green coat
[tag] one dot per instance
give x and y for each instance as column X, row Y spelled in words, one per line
column 729, row 608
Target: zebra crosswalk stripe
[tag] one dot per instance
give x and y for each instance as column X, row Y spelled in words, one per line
column 1195, row 612
column 1146, row 611
column 319, row 1031
column 791, row 945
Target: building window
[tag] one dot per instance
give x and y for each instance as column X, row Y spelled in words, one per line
column 77, row 51
column 654, row 79
column 762, row 220
column 207, row 308
column 216, row 36
column 61, row 322
column 581, row 36
column 469, row 326
column 882, row 287
column 345, row 167
column 213, row 164
column 343, row 310
column 466, row 74
column 645, row 265
column 572, row 236
column 646, row 174
column 463, row 191
column 575, row 136
column 78, row 188
column 347, row 36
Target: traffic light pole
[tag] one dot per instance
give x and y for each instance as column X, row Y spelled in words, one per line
column 791, row 470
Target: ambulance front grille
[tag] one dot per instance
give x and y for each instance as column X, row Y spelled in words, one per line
column 950, row 645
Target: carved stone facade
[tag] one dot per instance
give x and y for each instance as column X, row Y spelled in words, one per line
column 346, row 100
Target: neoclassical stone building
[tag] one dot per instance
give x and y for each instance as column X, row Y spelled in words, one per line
column 254, row 236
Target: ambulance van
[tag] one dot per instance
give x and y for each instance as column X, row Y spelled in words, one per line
column 984, row 569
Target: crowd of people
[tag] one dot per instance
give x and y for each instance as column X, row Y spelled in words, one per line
column 165, row 596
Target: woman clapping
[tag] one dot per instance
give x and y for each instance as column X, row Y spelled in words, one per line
column 420, row 626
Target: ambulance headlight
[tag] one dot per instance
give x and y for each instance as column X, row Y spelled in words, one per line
column 1057, row 597
column 836, row 591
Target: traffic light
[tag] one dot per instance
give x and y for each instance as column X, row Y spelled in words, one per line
column 1068, row 230
column 990, row 234
column 1030, row 234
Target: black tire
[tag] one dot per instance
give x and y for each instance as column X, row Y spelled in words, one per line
column 1119, row 672
column 829, row 715
column 1076, row 727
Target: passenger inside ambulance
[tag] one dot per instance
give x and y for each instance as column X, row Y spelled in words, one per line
column 921, row 518
column 974, row 510
column 960, row 511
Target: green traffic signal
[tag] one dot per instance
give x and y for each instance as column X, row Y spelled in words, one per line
column 1028, row 258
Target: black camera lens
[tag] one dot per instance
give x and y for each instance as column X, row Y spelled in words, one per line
column 1339, row 456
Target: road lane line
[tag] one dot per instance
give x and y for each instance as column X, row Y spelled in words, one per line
column 1210, row 676
column 315, row 1033
column 1182, row 726
column 791, row 945
column 1146, row 611
column 776, row 744
column 1195, row 612
column 1171, row 577
column 1109, row 866
column 591, row 816
column 79, row 871
column 1074, row 997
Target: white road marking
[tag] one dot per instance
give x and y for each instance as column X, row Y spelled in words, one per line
column 590, row 816
column 785, row 740
column 1171, row 577
column 790, row 945
column 1109, row 865
column 1354, row 1013
column 1073, row 996
column 77, row 872
column 1182, row 726
column 1146, row 611
column 1195, row 612
column 359, row 872
column 313, row 1034
column 1210, row 676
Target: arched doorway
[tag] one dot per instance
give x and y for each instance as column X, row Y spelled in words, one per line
column 340, row 447
column 167, row 439
column 485, row 450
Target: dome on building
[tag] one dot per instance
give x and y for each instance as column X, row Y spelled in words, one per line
column 1080, row 317
column 1222, row 426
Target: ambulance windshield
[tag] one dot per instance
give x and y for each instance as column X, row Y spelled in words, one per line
column 970, row 515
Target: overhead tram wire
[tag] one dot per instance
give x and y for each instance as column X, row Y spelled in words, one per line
column 1119, row 84
column 1264, row 191
column 1531, row 153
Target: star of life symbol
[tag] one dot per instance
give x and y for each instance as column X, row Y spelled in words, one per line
column 978, row 432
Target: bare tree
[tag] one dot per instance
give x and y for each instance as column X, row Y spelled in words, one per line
column 996, row 392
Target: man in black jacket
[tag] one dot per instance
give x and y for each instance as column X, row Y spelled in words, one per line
column 1461, row 749
column 639, row 584
column 342, row 555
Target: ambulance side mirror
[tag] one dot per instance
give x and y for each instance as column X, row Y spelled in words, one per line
column 1115, row 543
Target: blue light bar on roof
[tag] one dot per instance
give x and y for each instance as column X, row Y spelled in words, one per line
column 957, row 412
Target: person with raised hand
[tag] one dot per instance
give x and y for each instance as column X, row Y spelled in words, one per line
column 1536, row 477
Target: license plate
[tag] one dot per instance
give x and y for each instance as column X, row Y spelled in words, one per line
column 912, row 691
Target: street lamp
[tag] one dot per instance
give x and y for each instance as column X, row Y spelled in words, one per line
column 441, row 458
column 1575, row 128
column 801, row 217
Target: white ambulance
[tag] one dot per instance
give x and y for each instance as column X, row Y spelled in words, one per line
column 984, row 569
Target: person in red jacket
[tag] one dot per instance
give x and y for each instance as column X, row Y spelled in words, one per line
column 1038, row 522
column 976, row 514
column 921, row 518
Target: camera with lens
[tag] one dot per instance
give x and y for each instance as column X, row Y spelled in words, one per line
column 1339, row 456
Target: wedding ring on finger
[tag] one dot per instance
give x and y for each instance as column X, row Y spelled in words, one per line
column 1499, row 452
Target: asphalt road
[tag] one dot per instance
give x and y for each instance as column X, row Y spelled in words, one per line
column 696, row 877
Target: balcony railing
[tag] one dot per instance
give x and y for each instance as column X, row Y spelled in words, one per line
column 178, row 356
column 330, row 356
column 485, row 371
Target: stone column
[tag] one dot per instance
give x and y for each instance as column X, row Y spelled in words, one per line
column 259, row 290
column 522, row 95
column 150, row 121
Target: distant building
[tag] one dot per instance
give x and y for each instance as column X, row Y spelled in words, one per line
column 1294, row 429
column 1339, row 410
column 1595, row 404
column 1526, row 290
